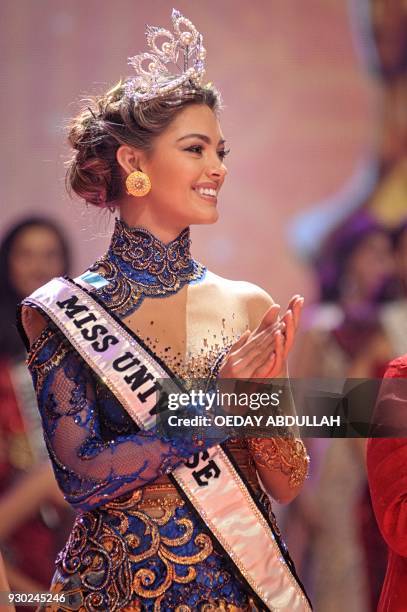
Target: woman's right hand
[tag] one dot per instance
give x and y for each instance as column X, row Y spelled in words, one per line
column 252, row 352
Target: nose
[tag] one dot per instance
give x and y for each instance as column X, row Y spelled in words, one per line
column 217, row 172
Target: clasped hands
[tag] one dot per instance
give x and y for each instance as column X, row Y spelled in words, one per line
column 262, row 353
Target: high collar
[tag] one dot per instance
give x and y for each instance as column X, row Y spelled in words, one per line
column 139, row 248
column 138, row 264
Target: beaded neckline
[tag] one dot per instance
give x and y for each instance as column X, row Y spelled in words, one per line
column 139, row 265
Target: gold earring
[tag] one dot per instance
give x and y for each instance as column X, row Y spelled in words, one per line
column 138, row 184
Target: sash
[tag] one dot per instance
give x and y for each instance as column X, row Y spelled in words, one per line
column 208, row 480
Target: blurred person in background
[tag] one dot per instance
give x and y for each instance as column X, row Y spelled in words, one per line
column 393, row 340
column 362, row 324
column 386, row 466
column 356, row 277
column 33, row 514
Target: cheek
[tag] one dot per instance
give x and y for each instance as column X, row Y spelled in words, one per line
column 174, row 179
column 54, row 267
column 20, row 266
column 20, row 277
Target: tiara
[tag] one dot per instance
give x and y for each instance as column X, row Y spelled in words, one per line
column 153, row 79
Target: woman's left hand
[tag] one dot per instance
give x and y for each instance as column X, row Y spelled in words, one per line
column 283, row 339
column 291, row 319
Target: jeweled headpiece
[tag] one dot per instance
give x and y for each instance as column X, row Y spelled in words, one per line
column 153, row 78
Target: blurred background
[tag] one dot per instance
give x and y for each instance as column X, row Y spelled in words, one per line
column 315, row 96
column 300, row 112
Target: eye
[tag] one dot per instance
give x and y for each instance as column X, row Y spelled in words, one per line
column 195, row 149
column 222, row 154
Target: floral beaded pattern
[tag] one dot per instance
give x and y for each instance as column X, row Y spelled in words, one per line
column 97, row 450
column 139, row 265
column 284, row 454
column 119, row 558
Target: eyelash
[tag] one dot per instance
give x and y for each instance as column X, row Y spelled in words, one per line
column 222, row 154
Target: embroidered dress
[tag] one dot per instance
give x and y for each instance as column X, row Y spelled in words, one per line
column 136, row 543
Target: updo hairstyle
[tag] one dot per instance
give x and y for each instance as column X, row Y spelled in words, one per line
column 111, row 120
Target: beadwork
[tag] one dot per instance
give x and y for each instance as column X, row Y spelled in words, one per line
column 284, row 454
column 139, row 265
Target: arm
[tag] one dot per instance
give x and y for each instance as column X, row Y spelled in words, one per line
column 91, row 465
column 281, row 462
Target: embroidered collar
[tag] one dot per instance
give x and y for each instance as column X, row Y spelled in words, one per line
column 139, row 265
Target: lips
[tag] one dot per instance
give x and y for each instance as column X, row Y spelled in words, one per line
column 207, row 191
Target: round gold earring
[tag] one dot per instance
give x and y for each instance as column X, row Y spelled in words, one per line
column 138, row 184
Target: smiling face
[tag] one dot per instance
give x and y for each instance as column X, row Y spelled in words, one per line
column 186, row 170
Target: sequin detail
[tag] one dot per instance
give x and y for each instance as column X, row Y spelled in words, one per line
column 287, row 455
column 139, row 265
column 120, row 558
column 199, row 366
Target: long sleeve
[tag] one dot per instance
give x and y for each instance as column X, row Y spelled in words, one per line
column 387, row 459
column 97, row 451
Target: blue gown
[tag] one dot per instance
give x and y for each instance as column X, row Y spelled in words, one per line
column 136, row 544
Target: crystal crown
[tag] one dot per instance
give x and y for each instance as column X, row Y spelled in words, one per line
column 153, row 78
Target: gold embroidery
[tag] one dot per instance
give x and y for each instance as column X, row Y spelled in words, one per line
column 43, row 369
column 288, row 455
column 139, row 265
column 38, row 344
column 100, row 555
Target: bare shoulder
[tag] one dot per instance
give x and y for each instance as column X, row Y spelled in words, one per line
column 253, row 298
column 33, row 322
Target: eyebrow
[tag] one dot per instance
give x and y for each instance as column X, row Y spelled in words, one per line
column 202, row 137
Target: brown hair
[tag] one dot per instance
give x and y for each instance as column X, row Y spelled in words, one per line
column 112, row 120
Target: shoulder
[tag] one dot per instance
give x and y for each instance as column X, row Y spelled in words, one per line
column 242, row 289
column 33, row 323
column 253, row 298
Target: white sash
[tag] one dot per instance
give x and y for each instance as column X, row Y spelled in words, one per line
column 208, row 479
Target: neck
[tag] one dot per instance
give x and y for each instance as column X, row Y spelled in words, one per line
column 141, row 215
column 131, row 237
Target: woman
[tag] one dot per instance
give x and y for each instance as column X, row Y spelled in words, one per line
column 166, row 524
column 32, row 251
column 386, row 460
column 347, row 558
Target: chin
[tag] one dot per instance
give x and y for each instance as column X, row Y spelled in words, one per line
column 208, row 218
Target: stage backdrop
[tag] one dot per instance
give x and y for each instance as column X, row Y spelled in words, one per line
column 298, row 116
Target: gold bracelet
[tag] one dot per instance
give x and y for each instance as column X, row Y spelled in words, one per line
column 288, row 455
